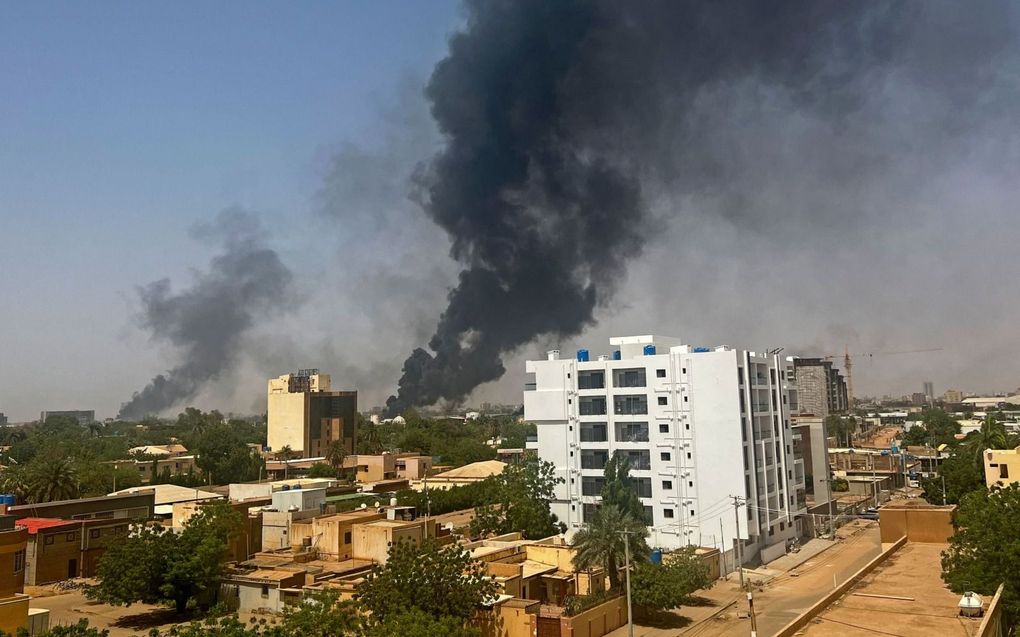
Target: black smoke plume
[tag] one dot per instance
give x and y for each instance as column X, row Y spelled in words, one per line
column 206, row 322
column 563, row 119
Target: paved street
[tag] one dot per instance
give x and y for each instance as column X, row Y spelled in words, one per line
column 782, row 598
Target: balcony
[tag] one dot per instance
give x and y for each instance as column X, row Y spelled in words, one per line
column 530, row 386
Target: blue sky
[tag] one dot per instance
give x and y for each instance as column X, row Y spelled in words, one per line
column 124, row 123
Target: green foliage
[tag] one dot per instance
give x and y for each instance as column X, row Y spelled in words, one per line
column 455, row 441
column 155, row 565
column 440, row 501
column 839, row 485
column 619, row 490
column 577, row 604
column 415, row 623
column 962, row 476
column 520, row 502
column 936, row 428
column 438, row 581
column 991, row 435
column 667, row 586
column 985, row 551
column 223, row 455
column 321, row 470
column 79, row 629
column 51, row 478
column 841, row 428
column 600, row 543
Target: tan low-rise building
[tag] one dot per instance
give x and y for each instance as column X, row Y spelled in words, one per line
column 1002, row 466
column 13, row 601
column 332, row 536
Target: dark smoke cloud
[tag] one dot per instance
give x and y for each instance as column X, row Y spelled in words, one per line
column 206, row 322
column 572, row 127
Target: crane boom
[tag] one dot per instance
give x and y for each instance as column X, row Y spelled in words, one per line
column 848, row 365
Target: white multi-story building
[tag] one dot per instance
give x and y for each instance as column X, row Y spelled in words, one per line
column 699, row 426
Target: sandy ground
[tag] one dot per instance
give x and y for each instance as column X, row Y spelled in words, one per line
column 778, row 596
column 70, row 607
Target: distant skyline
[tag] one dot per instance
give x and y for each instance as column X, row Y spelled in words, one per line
column 881, row 215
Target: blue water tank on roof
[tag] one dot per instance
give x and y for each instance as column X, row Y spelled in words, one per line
column 649, row 350
column 701, row 350
column 616, row 355
column 582, row 356
column 656, row 557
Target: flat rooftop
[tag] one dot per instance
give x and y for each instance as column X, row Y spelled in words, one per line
column 912, row 572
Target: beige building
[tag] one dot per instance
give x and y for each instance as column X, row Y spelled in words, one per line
column 305, row 415
column 953, row 396
column 1002, row 466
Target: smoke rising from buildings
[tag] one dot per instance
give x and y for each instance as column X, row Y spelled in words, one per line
column 576, row 130
column 206, row 322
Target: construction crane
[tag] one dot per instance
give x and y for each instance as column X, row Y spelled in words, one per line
column 848, row 365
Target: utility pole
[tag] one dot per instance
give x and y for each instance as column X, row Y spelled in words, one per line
column 943, row 490
column 722, row 548
column 848, row 365
column 626, row 554
column 750, row 609
column 739, row 551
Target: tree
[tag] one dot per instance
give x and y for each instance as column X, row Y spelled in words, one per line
column 223, row 455
column 50, row 479
column 156, row 565
column 618, row 489
column 13, row 480
column 519, row 502
column 841, row 428
column 936, row 428
column 415, row 623
column 321, row 470
column 336, row 453
column 442, row 582
column 664, row 587
column 599, row 544
column 286, row 454
column 960, row 476
column 991, row 435
column 985, row 551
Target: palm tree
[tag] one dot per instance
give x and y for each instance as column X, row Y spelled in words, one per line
column 13, row 482
column 95, row 428
column 600, row 543
column 992, row 435
column 336, row 453
column 285, row 454
column 52, row 480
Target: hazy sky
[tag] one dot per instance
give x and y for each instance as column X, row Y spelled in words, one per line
column 125, row 125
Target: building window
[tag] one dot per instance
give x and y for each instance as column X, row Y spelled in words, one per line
column 594, row 432
column 664, row 456
column 688, row 455
column 629, row 377
column 639, row 460
column 667, row 485
column 594, row 459
column 662, row 400
column 648, row 516
column 643, row 487
column 265, row 590
column 93, row 533
column 660, row 373
column 667, row 513
column 19, row 561
column 592, row 405
column 663, row 429
column 594, row 379
column 591, row 485
column 48, row 540
column 690, row 483
column 685, row 398
column 347, row 537
column 692, row 513
column 625, row 405
column 71, row 537
column 1004, row 471
column 632, row 432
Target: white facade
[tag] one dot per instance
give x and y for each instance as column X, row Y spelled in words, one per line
column 699, row 425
